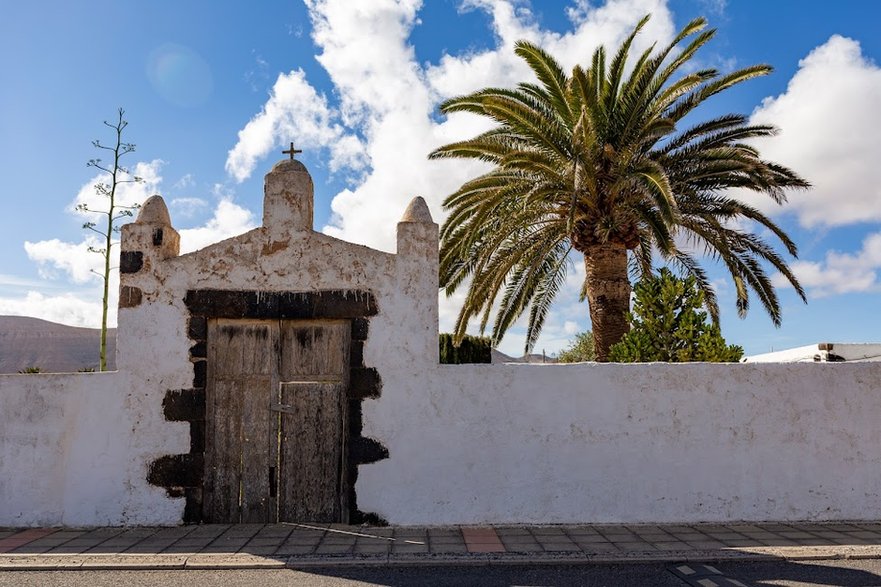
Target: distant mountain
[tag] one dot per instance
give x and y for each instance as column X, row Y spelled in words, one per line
column 54, row 348
column 500, row 357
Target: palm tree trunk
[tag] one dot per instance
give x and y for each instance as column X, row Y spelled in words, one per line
column 608, row 293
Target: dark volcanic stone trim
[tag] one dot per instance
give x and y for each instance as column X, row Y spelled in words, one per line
column 184, row 405
column 189, row 404
column 367, row 450
column 175, row 471
column 200, row 373
column 360, row 329
column 356, row 352
column 131, row 261
column 333, row 304
column 364, row 382
column 197, row 328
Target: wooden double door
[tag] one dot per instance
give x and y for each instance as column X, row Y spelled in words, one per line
column 276, row 421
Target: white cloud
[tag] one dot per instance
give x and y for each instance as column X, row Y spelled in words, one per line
column 840, row 272
column 68, row 309
column 127, row 194
column 229, row 219
column 294, row 111
column 390, row 99
column 828, row 116
column 387, row 102
column 72, row 261
column 186, row 207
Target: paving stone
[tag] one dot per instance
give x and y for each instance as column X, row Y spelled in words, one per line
column 673, row 545
column 744, row 527
column 334, row 548
column 655, row 537
column 264, row 541
column 403, row 547
column 194, row 542
column 524, row 546
column 634, row 546
column 599, row 547
column 49, row 541
column 209, row 531
column 349, row 540
column 294, row 549
column 589, row 538
column 841, row 527
column 547, row 531
column 560, row 546
column 853, row 540
column 871, row 526
column 705, row 544
column 517, row 539
column 448, row 548
column 742, row 542
column 212, row 549
column 302, row 540
column 68, row 550
column 865, row 534
column 725, row 535
column 623, row 537
column 143, row 532
column 31, row 549
column 84, row 542
column 142, row 548
column 373, row 531
column 829, row 534
column 67, row 534
column 242, row 531
column 778, row 542
column 372, row 547
column 103, row 533
column 259, row 550
column 178, row 549
column 688, row 536
column 795, row 534
column 272, row 532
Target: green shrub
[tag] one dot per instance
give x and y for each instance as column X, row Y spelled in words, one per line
column 668, row 325
column 579, row 350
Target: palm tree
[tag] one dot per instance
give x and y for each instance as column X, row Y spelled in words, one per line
column 596, row 162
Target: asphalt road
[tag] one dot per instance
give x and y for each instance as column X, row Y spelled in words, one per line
column 790, row 574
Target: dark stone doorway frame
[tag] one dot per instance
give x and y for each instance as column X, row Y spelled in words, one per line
column 182, row 475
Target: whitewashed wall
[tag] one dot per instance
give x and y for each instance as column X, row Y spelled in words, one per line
column 627, row 443
column 466, row 444
column 74, row 450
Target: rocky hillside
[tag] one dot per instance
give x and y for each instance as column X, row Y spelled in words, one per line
column 54, row 348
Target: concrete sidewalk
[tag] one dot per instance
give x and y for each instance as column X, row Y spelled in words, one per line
column 309, row 545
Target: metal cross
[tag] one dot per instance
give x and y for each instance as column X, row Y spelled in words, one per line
column 291, row 152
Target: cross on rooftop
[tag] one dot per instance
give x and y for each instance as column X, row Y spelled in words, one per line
column 292, row 151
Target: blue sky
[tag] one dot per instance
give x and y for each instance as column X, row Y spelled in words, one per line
column 213, row 90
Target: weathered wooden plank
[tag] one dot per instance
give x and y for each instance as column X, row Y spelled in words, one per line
column 314, row 349
column 311, row 454
column 312, row 458
column 241, row 356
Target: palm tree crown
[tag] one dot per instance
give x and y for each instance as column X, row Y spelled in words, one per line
column 596, row 161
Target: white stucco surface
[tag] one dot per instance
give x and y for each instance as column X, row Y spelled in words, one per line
column 466, row 444
column 627, row 444
column 74, row 450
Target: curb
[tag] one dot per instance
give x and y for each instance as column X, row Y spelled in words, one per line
column 80, row 562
